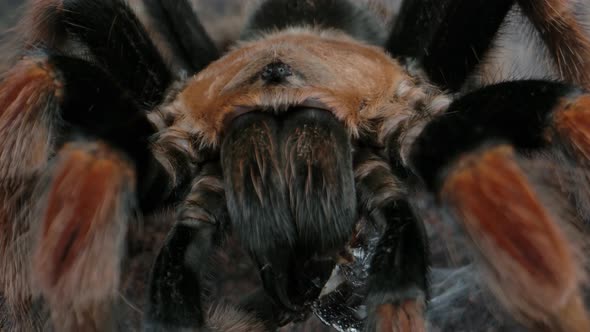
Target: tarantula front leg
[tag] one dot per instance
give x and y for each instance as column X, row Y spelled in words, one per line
column 91, row 145
column 398, row 282
column 183, row 32
column 178, row 278
column 87, row 203
column 108, row 34
column 449, row 38
column 510, row 152
column 175, row 282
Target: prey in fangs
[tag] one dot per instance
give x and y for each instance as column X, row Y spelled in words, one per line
column 332, row 156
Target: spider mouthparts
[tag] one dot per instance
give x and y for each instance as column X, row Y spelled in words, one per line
column 275, row 284
column 239, row 110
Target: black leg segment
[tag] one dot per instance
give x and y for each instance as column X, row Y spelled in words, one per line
column 185, row 32
column 514, row 112
column 120, row 45
column 175, row 288
column 398, row 281
column 398, row 277
column 342, row 15
column 93, row 105
column 447, row 37
column 177, row 279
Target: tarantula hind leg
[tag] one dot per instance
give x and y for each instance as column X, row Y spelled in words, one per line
column 510, row 158
column 398, row 284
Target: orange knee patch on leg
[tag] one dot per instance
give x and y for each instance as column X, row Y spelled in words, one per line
column 572, row 123
column 76, row 263
column 29, row 97
column 404, row 317
column 531, row 264
column 82, row 200
column 27, row 83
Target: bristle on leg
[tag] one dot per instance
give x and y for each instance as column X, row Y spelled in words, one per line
column 531, row 264
column 571, row 131
column 564, row 35
column 403, row 317
column 29, row 100
column 572, row 123
column 76, row 262
column 41, row 24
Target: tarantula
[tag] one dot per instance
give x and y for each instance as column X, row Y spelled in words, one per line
column 311, row 140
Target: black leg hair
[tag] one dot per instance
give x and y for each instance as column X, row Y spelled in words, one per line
column 177, row 282
column 68, row 97
column 175, row 286
column 78, row 243
column 29, row 117
column 399, row 271
column 119, row 44
column 92, row 104
column 184, row 31
column 398, row 277
column 516, row 112
column 479, row 176
column 448, row 38
column 342, row 15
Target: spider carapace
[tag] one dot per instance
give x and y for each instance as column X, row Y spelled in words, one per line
column 335, row 157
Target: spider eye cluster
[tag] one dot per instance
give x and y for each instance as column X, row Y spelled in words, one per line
column 275, row 72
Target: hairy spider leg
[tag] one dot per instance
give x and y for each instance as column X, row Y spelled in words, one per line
column 398, row 277
column 565, row 37
column 94, row 105
column 73, row 105
column 479, row 173
column 88, row 198
column 184, row 33
column 117, row 44
column 178, row 281
column 115, row 40
column 175, row 281
column 29, row 118
column 326, row 14
column 290, row 196
column 448, row 38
